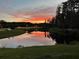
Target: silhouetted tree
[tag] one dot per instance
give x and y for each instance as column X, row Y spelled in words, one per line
column 68, row 14
column 67, row 18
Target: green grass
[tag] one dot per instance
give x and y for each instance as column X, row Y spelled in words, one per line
column 41, row 52
column 9, row 33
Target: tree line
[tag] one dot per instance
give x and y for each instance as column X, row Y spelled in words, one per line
column 12, row 25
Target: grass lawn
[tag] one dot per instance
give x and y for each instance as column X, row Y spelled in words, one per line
column 41, row 52
column 9, row 33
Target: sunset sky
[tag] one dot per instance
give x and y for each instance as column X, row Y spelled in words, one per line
column 35, row 11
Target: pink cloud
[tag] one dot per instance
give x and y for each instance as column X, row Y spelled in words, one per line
column 41, row 12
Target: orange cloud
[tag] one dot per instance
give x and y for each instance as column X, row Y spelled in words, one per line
column 38, row 19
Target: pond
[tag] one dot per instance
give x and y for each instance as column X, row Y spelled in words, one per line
column 28, row 39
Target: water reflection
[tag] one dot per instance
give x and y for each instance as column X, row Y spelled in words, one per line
column 34, row 38
column 40, row 38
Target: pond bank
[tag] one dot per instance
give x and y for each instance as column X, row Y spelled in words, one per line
column 10, row 33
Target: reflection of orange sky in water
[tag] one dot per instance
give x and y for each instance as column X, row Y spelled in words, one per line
column 40, row 34
column 37, row 36
column 26, row 40
column 34, row 19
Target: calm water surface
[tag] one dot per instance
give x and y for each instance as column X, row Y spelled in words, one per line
column 35, row 38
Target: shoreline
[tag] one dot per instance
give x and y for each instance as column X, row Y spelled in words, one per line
column 11, row 33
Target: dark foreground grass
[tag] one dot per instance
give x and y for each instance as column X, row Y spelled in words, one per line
column 44, row 52
column 10, row 33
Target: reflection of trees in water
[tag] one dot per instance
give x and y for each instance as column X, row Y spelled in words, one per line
column 58, row 38
column 67, row 38
column 37, row 29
